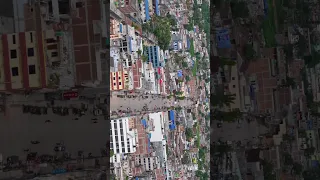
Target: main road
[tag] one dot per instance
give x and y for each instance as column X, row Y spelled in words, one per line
column 17, row 129
column 138, row 103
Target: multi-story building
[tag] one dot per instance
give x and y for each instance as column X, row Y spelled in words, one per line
column 84, row 44
column 128, row 6
column 122, row 138
column 154, row 56
column 150, row 163
column 116, row 28
column 23, row 64
column 119, row 80
column 149, row 77
column 155, row 4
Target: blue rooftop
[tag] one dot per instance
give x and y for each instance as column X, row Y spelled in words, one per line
column 130, row 44
column 180, row 73
column 157, row 8
column 223, row 38
column 188, row 43
column 146, row 7
column 172, row 125
column 120, row 28
column 144, row 122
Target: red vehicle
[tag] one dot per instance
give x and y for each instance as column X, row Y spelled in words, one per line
column 69, row 95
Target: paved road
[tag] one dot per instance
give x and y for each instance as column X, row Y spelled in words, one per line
column 18, row 129
column 117, row 103
column 231, row 132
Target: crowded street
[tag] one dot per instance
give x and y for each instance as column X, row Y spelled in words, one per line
column 75, row 124
column 139, row 102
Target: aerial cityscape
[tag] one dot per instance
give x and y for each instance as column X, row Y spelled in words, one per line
column 264, row 90
column 160, row 86
column 72, row 71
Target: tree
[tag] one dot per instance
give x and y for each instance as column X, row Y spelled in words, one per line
column 249, row 52
column 222, row 148
column 268, row 170
column 226, row 62
column 239, row 9
column 220, row 99
column 172, row 20
column 231, row 116
column 187, row 78
column 309, row 151
column 288, row 138
column 189, row 133
column 111, row 153
column 288, row 51
column 287, row 159
column 144, row 58
column 184, row 64
column 300, row 46
column 297, row 168
column 199, row 173
column 181, row 97
column 311, row 174
column 185, row 159
column 160, row 27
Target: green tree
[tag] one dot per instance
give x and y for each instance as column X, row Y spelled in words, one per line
column 187, row 78
column 239, row 9
column 288, row 51
column 199, row 173
column 111, row 153
column 160, row 27
column 311, row 174
column 297, row 168
column 185, row 159
column 184, row 64
column 287, row 159
column 309, row 151
column 222, row 148
column 171, row 19
column 221, row 99
column 288, row 138
column 268, row 170
column 226, row 62
column 226, row 116
column 249, row 52
column 189, row 133
column 144, row 58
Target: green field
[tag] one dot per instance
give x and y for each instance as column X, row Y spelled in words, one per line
column 268, row 26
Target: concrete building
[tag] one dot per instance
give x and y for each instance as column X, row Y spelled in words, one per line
column 116, row 28
column 154, row 56
column 119, row 80
column 150, row 163
column 149, row 77
column 158, row 127
column 128, row 6
column 23, row 62
column 122, row 138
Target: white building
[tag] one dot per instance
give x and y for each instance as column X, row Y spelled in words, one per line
column 150, row 163
column 158, row 127
column 123, row 138
column 149, row 76
column 114, row 59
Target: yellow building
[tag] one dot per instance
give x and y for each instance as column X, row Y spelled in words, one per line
column 22, row 63
column 119, row 80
